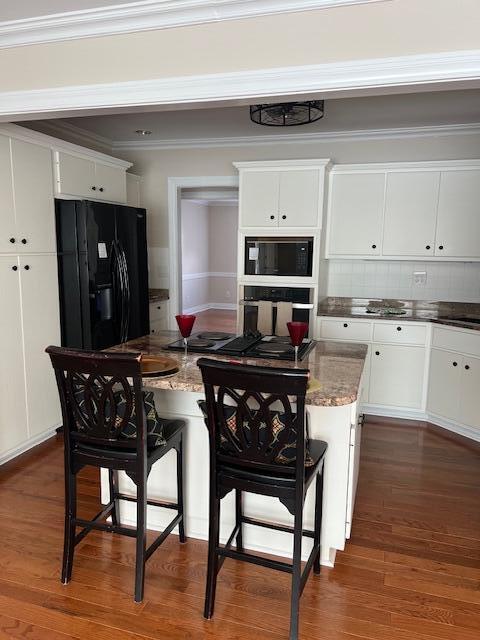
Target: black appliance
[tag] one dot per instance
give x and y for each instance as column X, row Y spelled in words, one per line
column 250, row 345
column 300, row 297
column 279, row 256
column 103, row 273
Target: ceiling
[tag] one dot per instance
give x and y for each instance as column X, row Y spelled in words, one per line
column 21, row 9
column 347, row 114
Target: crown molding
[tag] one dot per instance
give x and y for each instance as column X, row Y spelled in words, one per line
column 75, row 134
column 300, row 138
column 147, row 15
column 454, row 69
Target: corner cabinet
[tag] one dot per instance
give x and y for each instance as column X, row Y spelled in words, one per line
column 281, row 194
column 426, row 210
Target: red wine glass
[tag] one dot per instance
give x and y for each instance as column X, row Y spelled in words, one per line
column 185, row 324
column 297, row 331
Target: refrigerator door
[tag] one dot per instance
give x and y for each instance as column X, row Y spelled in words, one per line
column 132, row 248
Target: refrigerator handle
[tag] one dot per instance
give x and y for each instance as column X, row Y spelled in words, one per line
column 126, row 292
column 118, row 288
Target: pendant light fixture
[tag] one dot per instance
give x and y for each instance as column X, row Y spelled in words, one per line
column 287, row 114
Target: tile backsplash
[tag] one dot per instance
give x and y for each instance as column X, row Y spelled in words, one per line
column 449, row 281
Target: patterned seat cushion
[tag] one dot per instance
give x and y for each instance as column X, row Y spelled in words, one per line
column 286, row 455
column 155, row 424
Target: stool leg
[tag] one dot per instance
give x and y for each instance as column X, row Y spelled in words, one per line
column 238, row 517
column 212, row 564
column 180, row 499
column 141, row 540
column 113, row 486
column 318, row 520
column 69, row 534
column 297, row 570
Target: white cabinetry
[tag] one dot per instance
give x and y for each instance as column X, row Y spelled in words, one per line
column 78, row 176
column 159, row 316
column 429, row 210
column 444, row 383
column 134, row 190
column 281, row 194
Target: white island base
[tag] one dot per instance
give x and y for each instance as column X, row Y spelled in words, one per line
column 339, row 426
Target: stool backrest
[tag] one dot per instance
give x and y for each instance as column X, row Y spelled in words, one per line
column 250, row 417
column 96, row 396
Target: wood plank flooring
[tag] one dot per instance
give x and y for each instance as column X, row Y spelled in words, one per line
column 216, row 320
column 411, row 570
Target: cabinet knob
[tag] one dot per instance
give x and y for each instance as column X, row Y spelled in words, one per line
column 428, row 247
column 377, row 353
column 159, row 307
column 284, row 217
column 467, row 367
column 26, row 267
column 24, row 241
column 14, row 268
column 345, row 324
column 94, row 188
column 272, row 217
column 101, row 189
column 455, row 364
column 399, row 328
column 12, row 240
column 440, row 247
column 374, row 246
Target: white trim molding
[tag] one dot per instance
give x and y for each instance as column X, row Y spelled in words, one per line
column 209, row 274
column 229, row 306
column 148, row 15
column 435, row 70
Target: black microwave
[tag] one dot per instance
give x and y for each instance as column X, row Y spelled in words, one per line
column 280, row 256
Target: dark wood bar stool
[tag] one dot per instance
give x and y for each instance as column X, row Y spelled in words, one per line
column 258, row 444
column 111, row 423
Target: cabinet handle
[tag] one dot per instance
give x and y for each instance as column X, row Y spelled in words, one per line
column 14, row 268
column 26, row 267
column 101, row 189
column 428, row 247
column 24, row 241
column 374, row 246
column 440, row 247
column 455, row 364
column 272, row 217
column 284, row 217
column 159, row 307
column 467, row 367
column 345, row 325
column 399, row 328
column 93, row 188
column 12, row 240
column 377, row 353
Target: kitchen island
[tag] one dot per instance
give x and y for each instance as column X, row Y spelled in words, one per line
column 336, row 370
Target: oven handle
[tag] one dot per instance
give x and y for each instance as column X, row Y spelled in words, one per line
column 295, row 305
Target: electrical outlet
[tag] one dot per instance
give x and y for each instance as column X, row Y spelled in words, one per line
column 227, row 293
column 419, row 278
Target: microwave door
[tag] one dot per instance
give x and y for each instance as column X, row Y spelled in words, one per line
column 270, row 259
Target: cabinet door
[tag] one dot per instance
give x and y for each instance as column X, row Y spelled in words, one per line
column 397, row 375
column 8, row 228
column 111, row 183
column 445, row 383
column 470, row 387
column 76, row 176
column 411, row 200
column 35, row 213
column 356, row 214
column 41, row 327
column 13, row 413
column 298, row 201
column 458, row 224
column 259, row 198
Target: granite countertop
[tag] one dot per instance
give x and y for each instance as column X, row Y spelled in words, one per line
column 337, row 366
column 415, row 310
column 157, row 295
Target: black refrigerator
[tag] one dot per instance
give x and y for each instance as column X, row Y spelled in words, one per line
column 103, row 273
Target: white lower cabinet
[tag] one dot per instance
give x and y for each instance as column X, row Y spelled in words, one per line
column 397, row 375
column 469, row 392
column 159, row 316
column 29, row 405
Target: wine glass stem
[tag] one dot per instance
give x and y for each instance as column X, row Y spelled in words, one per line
column 185, row 344
column 296, row 355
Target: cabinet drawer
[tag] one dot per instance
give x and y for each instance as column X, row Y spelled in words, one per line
column 346, row 329
column 454, row 340
column 403, row 333
column 158, row 311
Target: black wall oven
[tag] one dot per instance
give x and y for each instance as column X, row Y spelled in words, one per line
column 279, row 256
column 300, row 297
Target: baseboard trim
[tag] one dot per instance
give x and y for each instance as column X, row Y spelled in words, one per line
column 29, row 444
column 230, row 306
column 394, row 412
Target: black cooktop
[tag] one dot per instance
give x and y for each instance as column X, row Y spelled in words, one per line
column 246, row 346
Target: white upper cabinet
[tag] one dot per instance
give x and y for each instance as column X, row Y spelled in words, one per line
column 82, row 177
column 281, row 194
column 134, row 190
column 8, row 229
column 410, row 213
column 356, row 214
column 458, row 226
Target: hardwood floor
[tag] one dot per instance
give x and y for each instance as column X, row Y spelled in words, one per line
column 411, row 570
column 216, row 320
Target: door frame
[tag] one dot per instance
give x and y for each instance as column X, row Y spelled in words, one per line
column 175, row 186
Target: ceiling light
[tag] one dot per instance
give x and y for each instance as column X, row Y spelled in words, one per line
column 143, row 132
column 287, row 114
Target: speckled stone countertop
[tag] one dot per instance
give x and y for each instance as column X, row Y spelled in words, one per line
column 419, row 310
column 337, row 367
column 157, row 295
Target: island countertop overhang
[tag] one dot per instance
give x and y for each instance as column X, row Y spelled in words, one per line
column 336, row 366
